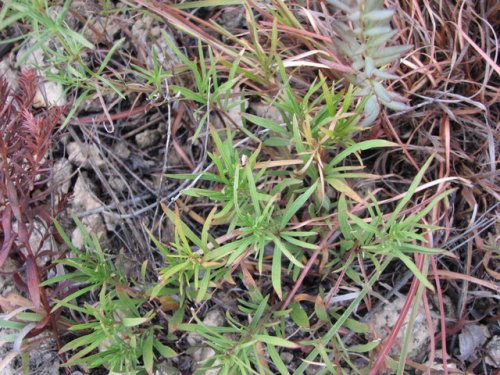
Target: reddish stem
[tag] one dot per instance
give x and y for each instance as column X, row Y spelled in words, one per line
column 308, row 267
column 404, row 312
column 441, row 316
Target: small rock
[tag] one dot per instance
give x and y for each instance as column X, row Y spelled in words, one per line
column 266, row 111
column 493, row 352
column 147, row 31
column 472, row 337
column 101, row 29
column 9, row 74
column 7, row 278
column 287, row 357
column 313, row 370
column 214, row 318
column 37, row 239
column 147, row 138
column 121, row 150
column 61, row 176
column 383, row 322
column 84, row 155
column 200, row 355
column 118, row 184
column 83, row 200
column 234, row 107
column 111, row 222
column 164, row 369
column 232, row 17
column 48, row 93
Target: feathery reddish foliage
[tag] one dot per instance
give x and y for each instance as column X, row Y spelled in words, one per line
column 25, row 137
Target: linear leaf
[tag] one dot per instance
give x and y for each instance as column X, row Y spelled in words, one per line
column 299, row 316
column 277, row 361
column 277, row 341
column 265, row 123
column 413, row 268
column 276, row 272
column 361, row 146
column 287, row 253
column 147, row 353
column 409, row 193
column 296, row 205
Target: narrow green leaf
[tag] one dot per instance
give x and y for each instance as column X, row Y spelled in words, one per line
column 116, row 44
column 97, row 336
column 132, row 322
column 342, row 187
column 10, row 324
column 377, row 30
column 411, row 248
column 413, row 268
column 189, row 94
column 259, row 312
column 287, row 253
column 409, row 193
column 64, row 236
column 342, row 6
column 396, row 105
column 276, row 272
column 167, row 273
column 276, row 142
column 277, row 361
column 252, row 189
column 320, row 309
column 74, row 295
column 202, row 290
column 345, row 228
column 147, row 353
column 165, row 351
column 361, row 146
column 354, row 325
column 299, row 316
column 299, row 243
column 363, row 224
column 229, row 248
column 381, row 92
column 265, row 123
column 277, row 341
column 176, row 320
column 296, row 205
column 299, row 233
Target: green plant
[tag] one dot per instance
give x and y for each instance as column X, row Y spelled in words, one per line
column 68, row 58
column 208, row 91
column 318, row 125
column 250, row 213
column 121, row 331
column 283, row 213
column 239, row 347
column 393, row 235
column 187, row 271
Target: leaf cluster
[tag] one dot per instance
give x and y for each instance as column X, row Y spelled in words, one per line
column 362, row 37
